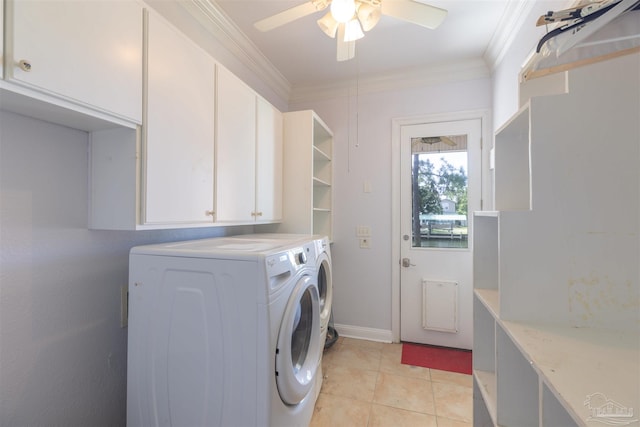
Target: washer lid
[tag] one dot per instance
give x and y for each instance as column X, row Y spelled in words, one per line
column 298, row 350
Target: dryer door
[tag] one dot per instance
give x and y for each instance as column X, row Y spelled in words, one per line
column 298, row 350
column 325, row 288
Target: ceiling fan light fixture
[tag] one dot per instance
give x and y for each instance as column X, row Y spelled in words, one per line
column 353, row 31
column 328, row 25
column 343, row 10
column 369, row 15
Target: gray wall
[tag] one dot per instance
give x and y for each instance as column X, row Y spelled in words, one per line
column 362, row 152
column 63, row 355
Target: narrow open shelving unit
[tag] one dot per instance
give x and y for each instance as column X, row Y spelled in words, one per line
column 556, row 276
column 308, row 175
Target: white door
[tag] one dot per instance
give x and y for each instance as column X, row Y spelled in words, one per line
column 440, row 187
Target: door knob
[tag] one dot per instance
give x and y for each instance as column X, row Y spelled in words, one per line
column 406, row 262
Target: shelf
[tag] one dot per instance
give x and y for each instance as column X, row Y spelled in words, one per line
column 487, row 386
column 490, row 214
column 485, row 253
column 321, row 210
column 517, row 385
column 556, row 293
column 577, row 362
column 320, row 182
column 512, row 163
column 553, row 413
column 320, row 155
column 490, row 298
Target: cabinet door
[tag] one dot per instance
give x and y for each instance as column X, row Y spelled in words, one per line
column 236, row 149
column 269, row 163
column 87, row 51
column 179, row 140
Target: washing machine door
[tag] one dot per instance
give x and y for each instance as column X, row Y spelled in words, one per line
column 298, row 350
column 325, row 288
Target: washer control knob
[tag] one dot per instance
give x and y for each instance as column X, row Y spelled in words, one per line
column 301, row 258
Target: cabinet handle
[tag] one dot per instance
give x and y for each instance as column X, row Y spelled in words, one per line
column 209, row 213
column 25, row 65
column 258, row 214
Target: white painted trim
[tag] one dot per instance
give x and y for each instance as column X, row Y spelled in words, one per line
column 510, row 24
column 423, row 76
column 396, row 125
column 359, row 332
column 216, row 21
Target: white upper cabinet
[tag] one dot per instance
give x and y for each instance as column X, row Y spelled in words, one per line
column 249, row 154
column 86, row 52
column 236, row 150
column 179, row 130
column 268, row 163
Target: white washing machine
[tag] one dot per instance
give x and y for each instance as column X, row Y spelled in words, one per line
column 321, row 256
column 223, row 332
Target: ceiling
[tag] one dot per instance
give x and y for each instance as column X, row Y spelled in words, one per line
column 305, row 56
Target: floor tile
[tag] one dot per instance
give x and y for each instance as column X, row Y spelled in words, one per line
column 453, row 401
column 448, row 422
column 351, row 382
column 389, row 365
column 337, row 411
column 372, row 345
column 451, row 377
column 413, row 394
column 366, row 385
column 357, row 357
column 386, row 416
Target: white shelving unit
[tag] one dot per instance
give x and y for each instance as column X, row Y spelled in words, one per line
column 556, row 277
column 308, row 175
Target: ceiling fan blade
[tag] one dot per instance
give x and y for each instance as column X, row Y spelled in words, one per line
column 417, row 13
column 289, row 15
column 346, row 50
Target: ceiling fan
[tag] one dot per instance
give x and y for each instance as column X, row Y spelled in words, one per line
column 347, row 19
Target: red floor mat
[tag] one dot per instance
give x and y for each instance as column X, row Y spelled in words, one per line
column 442, row 358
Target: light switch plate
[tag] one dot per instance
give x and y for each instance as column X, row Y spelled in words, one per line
column 363, row 231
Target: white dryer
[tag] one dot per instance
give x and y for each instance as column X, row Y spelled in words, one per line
column 320, row 255
column 325, row 282
column 223, row 332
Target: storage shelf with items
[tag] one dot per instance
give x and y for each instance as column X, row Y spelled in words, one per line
column 557, row 292
column 307, row 176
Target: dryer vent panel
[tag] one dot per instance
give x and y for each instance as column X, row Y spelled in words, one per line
column 440, row 306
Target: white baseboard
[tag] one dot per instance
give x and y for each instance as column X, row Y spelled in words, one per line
column 359, row 332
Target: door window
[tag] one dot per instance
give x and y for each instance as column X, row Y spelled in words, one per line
column 439, row 186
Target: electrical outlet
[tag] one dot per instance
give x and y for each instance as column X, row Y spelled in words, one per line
column 124, row 306
column 365, row 243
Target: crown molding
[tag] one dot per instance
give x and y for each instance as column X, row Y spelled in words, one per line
column 512, row 21
column 422, row 76
column 213, row 18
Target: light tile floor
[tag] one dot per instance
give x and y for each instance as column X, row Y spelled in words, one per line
column 366, row 385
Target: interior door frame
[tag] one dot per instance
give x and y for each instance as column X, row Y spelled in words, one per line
column 486, row 188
